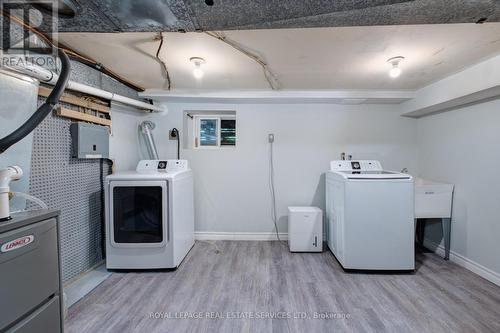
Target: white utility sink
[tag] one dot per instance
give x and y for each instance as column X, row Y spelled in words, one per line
column 432, row 199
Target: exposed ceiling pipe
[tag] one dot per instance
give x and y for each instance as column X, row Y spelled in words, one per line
column 65, row 8
column 49, row 77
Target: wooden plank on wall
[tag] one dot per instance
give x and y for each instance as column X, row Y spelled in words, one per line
column 72, row 114
column 74, row 100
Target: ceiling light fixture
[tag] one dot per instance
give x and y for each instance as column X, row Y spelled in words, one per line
column 395, row 70
column 197, row 71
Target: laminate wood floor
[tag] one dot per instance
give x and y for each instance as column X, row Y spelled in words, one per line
column 261, row 287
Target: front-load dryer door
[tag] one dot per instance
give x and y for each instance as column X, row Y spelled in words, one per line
column 138, row 213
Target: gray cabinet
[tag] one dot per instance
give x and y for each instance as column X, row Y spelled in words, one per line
column 30, row 283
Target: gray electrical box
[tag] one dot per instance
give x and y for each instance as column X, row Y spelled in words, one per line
column 89, row 141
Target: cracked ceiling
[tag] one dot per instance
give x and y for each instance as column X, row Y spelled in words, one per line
column 347, row 46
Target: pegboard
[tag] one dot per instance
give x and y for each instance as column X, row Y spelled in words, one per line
column 72, row 186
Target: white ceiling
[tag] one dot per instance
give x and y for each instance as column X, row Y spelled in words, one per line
column 315, row 58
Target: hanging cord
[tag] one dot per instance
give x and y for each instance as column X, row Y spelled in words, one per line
column 272, row 190
column 103, row 204
column 270, row 77
column 103, row 212
column 176, row 131
column 162, row 62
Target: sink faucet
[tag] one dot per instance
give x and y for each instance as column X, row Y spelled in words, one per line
column 404, row 170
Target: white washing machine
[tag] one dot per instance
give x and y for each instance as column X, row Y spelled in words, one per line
column 149, row 215
column 370, row 216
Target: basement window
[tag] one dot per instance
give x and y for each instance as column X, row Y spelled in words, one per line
column 212, row 130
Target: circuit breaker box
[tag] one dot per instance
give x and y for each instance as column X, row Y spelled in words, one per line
column 89, row 141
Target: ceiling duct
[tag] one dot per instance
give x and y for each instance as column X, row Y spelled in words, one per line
column 65, row 8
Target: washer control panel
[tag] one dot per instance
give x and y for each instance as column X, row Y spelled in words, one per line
column 167, row 166
column 162, row 165
column 355, row 165
column 177, row 165
column 359, row 165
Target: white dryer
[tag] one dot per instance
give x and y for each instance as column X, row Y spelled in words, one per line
column 149, row 215
column 370, row 216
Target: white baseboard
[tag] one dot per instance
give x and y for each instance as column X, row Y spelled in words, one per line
column 459, row 259
column 466, row 263
column 241, row 236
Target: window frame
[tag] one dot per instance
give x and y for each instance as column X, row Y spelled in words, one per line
column 210, row 116
column 197, row 132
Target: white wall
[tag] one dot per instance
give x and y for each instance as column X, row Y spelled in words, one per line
column 463, row 147
column 18, row 102
column 476, row 79
column 126, row 146
column 231, row 186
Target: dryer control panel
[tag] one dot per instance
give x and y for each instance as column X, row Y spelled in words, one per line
column 359, row 165
column 166, row 166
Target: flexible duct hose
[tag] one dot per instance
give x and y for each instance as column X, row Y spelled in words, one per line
column 31, row 198
column 43, row 110
column 146, row 128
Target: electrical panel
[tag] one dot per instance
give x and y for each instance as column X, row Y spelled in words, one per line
column 89, row 141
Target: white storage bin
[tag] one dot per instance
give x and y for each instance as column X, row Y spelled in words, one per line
column 305, row 229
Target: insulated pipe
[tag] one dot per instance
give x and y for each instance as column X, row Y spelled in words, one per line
column 6, row 176
column 83, row 88
column 48, row 77
column 146, row 127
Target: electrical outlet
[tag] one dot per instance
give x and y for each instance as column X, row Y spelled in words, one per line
column 270, row 137
column 172, row 135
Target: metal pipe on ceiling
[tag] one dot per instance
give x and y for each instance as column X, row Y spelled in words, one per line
column 46, row 76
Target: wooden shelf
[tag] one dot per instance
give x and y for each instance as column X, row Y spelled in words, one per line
column 72, row 114
column 82, row 107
